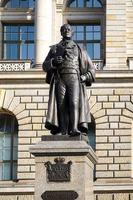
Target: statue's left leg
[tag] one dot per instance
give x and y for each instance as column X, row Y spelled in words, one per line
column 73, row 97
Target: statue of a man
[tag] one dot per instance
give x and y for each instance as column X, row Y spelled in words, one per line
column 69, row 70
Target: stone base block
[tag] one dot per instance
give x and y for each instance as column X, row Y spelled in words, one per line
column 64, row 169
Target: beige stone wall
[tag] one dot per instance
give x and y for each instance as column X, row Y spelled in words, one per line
column 16, row 197
column 112, row 109
column 129, row 27
column 115, row 196
column 116, row 34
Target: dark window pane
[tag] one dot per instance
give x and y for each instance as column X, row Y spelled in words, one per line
column 10, row 51
column 14, row 4
column 23, row 29
column 89, row 36
column 2, row 124
column 30, row 51
column 14, row 29
column 80, row 28
column 97, row 4
column 89, row 28
column 80, row 36
column 80, row 3
column 85, row 3
column 9, row 124
column 13, row 51
column 15, row 153
column 72, row 4
column 31, row 3
column 7, row 29
column 24, row 4
column 97, row 36
column 23, row 36
column 6, row 171
column 30, row 36
column 30, row 28
column 97, row 51
column 74, row 28
column 97, row 28
column 6, row 154
column 8, row 148
column 89, row 3
column 14, row 170
column 20, row 4
column 23, row 51
column 90, row 50
column 14, row 36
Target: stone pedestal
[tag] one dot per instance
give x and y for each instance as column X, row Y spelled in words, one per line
column 64, row 168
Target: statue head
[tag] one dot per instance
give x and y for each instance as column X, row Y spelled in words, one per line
column 66, row 31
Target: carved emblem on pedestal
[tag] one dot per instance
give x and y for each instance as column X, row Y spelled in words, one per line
column 59, row 171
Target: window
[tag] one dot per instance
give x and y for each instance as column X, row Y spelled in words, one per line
column 88, row 36
column 88, row 18
column 8, row 147
column 18, row 41
column 84, row 3
column 91, row 133
column 20, row 4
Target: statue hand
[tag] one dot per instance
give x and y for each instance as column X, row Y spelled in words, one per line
column 82, row 78
column 57, row 60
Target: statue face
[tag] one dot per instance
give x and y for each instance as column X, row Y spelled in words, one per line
column 66, row 31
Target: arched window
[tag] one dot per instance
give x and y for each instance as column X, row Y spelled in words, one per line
column 20, row 4
column 8, row 147
column 91, row 133
column 84, row 3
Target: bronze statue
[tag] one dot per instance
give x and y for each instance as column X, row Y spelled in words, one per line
column 69, row 70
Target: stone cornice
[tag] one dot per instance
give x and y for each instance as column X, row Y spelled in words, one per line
column 125, row 186
column 37, row 76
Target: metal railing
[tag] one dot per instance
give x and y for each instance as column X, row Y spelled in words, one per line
column 14, row 65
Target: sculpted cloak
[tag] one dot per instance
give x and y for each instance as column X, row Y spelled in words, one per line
column 86, row 68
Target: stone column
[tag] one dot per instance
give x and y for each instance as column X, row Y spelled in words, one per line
column 43, row 29
column 1, row 40
column 64, row 168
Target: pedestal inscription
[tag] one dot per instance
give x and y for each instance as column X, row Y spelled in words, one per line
column 58, row 172
column 59, row 195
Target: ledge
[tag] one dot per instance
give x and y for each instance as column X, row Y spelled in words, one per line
column 10, row 189
column 37, row 76
column 98, row 188
column 114, row 186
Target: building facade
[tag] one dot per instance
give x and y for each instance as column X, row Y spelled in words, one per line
column 27, row 29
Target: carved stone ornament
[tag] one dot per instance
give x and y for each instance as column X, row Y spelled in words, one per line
column 59, row 171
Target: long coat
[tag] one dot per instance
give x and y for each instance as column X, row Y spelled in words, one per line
column 86, row 68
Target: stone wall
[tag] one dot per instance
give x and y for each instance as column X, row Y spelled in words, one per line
column 112, row 109
column 114, row 196
column 116, row 34
column 129, row 27
column 16, row 197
